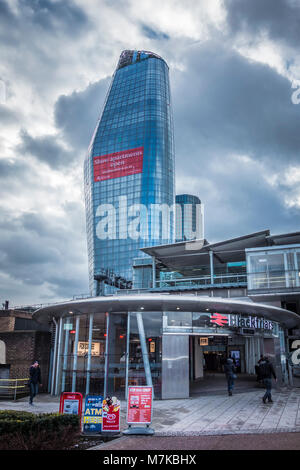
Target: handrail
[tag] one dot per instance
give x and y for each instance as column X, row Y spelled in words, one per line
column 14, row 387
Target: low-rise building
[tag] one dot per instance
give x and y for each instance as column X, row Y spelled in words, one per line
column 199, row 303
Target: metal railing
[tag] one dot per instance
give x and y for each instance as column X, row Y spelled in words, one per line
column 277, row 279
column 204, row 281
column 11, row 388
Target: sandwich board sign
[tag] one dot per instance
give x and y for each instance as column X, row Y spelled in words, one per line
column 139, row 410
column 92, row 418
column 111, row 415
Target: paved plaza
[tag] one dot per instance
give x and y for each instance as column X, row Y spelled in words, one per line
column 243, row 413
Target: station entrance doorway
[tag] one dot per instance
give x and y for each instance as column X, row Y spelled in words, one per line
column 207, row 357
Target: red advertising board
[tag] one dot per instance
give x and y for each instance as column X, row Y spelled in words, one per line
column 117, row 164
column 111, row 415
column 139, row 405
column 71, row 403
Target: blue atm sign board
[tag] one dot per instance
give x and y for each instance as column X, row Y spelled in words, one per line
column 92, row 418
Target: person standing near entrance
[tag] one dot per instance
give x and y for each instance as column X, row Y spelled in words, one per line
column 229, row 369
column 34, row 380
column 266, row 371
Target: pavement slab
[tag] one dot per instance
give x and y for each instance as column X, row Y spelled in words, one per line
column 243, row 413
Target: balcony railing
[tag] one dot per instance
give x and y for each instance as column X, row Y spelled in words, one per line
column 281, row 279
column 239, row 279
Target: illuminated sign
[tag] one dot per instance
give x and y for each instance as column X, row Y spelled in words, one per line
column 203, row 341
column 83, row 348
column 250, row 322
column 238, row 321
column 117, row 164
column 219, row 319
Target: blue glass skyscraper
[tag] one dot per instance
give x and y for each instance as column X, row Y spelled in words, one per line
column 189, row 224
column 129, row 170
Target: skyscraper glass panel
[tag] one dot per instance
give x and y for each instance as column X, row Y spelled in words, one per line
column 129, row 169
column 188, row 217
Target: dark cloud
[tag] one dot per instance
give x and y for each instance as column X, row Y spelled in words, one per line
column 46, row 149
column 225, row 105
column 35, row 248
column 238, row 199
column 40, row 16
column 280, row 19
column 11, row 170
column 153, row 34
column 76, row 114
column 8, row 116
column 76, row 117
column 54, row 15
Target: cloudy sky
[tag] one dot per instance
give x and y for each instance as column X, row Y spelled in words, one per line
column 235, row 83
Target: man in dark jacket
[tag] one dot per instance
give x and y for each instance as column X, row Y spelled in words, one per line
column 266, row 371
column 34, row 380
column 229, row 369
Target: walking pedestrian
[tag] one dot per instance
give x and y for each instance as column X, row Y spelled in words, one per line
column 229, row 369
column 34, row 380
column 257, row 370
column 266, row 371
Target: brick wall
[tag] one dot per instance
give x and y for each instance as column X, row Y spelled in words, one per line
column 23, row 348
column 7, row 323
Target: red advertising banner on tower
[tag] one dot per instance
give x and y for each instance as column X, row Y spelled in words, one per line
column 117, row 164
column 139, row 409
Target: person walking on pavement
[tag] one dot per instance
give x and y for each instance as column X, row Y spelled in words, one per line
column 257, row 371
column 266, row 371
column 34, row 380
column 229, row 369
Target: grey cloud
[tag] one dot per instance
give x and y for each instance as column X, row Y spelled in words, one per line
column 279, row 19
column 22, row 249
column 66, row 287
column 11, row 170
column 34, row 248
column 76, row 117
column 238, row 200
column 46, row 149
column 225, row 103
column 76, row 114
column 41, row 16
column 8, row 116
column 52, row 15
column 154, row 34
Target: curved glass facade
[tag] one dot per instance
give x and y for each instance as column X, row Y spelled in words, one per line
column 169, row 350
column 129, row 170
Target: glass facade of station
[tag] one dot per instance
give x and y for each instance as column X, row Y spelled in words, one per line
column 104, row 352
column 129, row 170
column 273, row 268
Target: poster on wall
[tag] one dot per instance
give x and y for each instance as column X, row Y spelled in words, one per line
column 83, row 348
column 139, row 406
column 117, row 164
